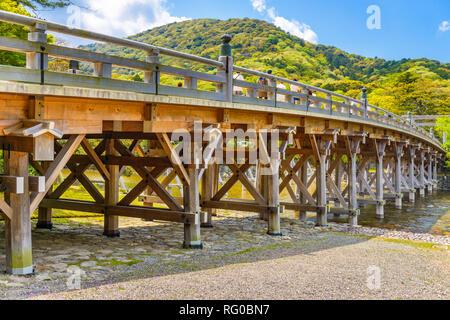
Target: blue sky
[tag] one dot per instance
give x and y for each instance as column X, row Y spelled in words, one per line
column 408, row 29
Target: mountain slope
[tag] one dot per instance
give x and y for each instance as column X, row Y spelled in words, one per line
column 260, row 45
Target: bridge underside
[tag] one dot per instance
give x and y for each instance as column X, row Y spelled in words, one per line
column 327, row 164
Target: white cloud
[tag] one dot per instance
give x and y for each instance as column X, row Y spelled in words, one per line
column 444, row 26
column 125, row 17
column 259, row 5
column 294, row 27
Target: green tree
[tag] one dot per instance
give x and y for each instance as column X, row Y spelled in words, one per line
column 443, row 126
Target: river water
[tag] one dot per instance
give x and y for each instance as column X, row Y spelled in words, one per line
column 427, row 215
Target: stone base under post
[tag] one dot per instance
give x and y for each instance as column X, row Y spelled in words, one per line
column 380, row 210
column 206, row 220
column 422, row 192
column 321, row 217
column 192, row 236
column 274, row 228
column 353, row 220
column 398, row 202
column 302, row 216
column 412, row 197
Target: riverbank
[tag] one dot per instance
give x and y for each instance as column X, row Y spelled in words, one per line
column 149, row 258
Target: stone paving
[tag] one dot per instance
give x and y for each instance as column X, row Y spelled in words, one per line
column 77, row 245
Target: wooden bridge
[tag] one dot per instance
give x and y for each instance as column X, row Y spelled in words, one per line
column 359, row 154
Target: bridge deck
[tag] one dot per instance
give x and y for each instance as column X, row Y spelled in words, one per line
column 318, row 145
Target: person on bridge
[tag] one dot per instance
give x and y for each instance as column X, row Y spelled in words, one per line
column 238, row 91
column 261, row 93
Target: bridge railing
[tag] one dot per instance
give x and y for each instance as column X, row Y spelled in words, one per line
column 277, row 92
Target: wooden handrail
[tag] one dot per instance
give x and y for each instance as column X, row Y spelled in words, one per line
column 351, row 106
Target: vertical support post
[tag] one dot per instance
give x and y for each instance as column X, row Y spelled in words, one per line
column 321, row 148
column 412, row 156
column 18, row 247
column 352, row 189
column 303, row 175
column 261, row 185
column 338, row 180
column 435, row 177
column 207, row 190
column 45, row 214
column 352, row 146
column 380, row 146
column 398, row 175
column 111, row 223
column 321, row 172
column 430, row 172
column 273, row 189
column 422, row 174
column 191, row 200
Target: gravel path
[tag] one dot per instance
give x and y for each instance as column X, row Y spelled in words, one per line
column 332, row 266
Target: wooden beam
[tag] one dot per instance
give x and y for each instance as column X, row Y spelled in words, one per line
column 6, row 210
column 36, row 183
column 12, row 184
column 165, row 142
column 238, row 205
column 95, row 159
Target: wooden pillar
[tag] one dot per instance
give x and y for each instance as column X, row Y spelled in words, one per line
column 191, row 200
column 430, row 173
column 273, row 199
column 398, row 154
column 149, row 146
column 380, row 146
column 111, row 223
column 321, row 172
column 352, row 189
column 303, row 175
column 207, row 190
column 412, row 194
column 261, row 185
column 45, row 214
column 338, row 180
column 422, row 174
column 18, row 230
column 353, row 149
column 435, row 177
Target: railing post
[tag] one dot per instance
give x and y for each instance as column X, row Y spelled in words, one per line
column 227, row 70
column 364, row 101
column 152, row 76
column 103, row 70
column 38, row 60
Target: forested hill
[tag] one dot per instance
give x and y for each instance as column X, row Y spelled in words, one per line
column 419, row 85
